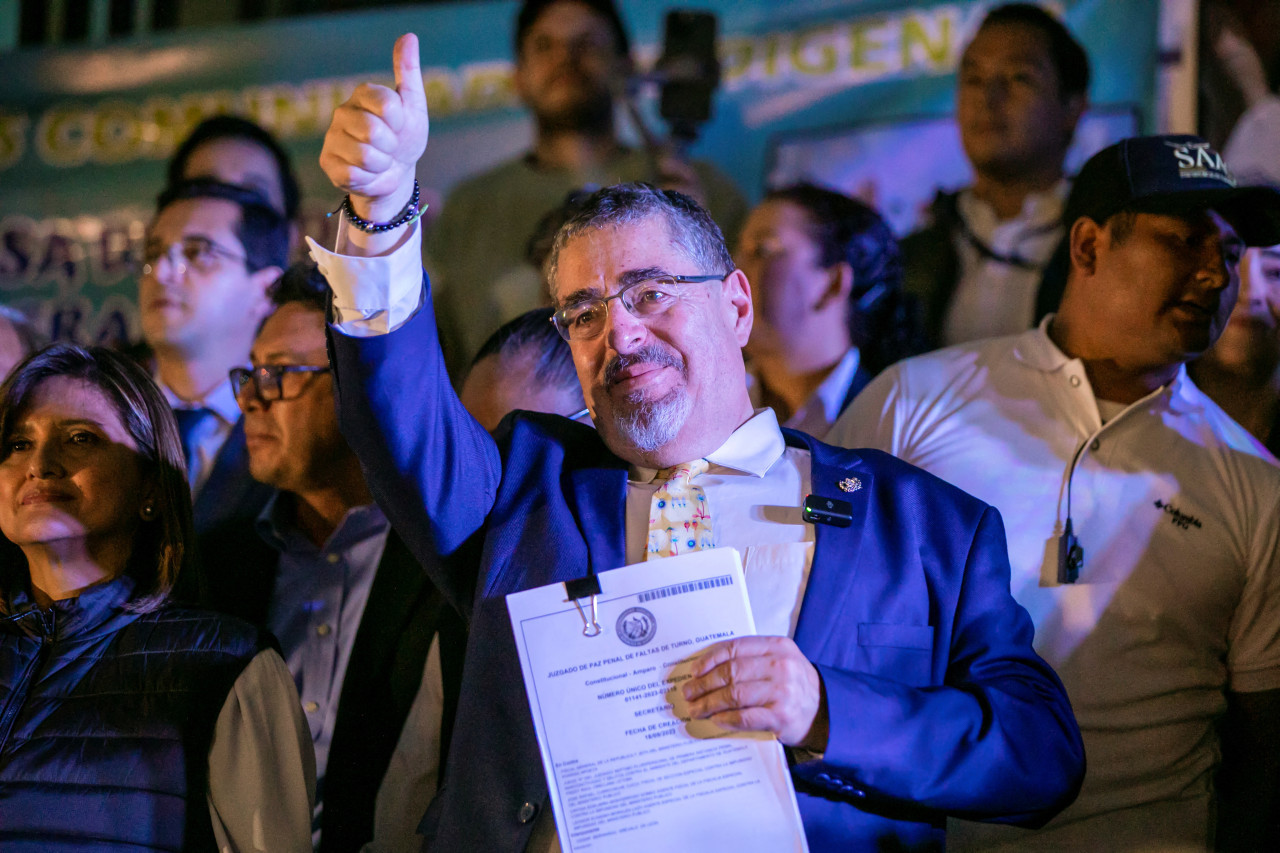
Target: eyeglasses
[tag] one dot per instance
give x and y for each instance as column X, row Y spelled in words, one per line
column 268, row 379
column 195, row 253
column 585, row 319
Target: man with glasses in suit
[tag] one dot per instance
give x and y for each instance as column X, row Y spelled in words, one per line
column 367, row 637
column 892, row 658
column 210, row 254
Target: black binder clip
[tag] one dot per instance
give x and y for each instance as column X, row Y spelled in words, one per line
column 580, row 589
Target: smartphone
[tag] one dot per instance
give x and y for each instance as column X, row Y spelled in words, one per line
column 689, row 67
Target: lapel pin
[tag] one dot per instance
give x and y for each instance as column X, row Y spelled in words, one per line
column 850, row 484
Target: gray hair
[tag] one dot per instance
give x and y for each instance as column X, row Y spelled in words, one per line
column 691, row 228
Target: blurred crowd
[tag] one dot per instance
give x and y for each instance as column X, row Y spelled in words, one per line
column 208, row 620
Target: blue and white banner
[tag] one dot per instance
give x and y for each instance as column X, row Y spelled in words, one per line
column 855, row 93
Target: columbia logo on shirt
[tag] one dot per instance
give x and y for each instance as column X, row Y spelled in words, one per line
column 1177, row 516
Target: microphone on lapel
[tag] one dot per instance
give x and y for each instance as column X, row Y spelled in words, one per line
column 833, row 511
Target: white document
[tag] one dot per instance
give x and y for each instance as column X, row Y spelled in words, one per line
column 627, row 769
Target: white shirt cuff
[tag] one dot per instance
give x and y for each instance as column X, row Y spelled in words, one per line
column 377, row 295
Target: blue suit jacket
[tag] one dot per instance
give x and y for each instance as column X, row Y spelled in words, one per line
column 938, row 704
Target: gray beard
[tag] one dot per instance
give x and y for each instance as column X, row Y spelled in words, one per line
column 650, row 425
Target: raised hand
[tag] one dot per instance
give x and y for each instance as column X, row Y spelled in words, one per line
column 377, row 136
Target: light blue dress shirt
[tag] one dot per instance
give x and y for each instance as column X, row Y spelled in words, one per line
column 319, row 599
column 212, row 432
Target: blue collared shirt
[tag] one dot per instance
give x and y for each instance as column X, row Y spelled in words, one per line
column 816, row 415
column 212, row 432
column 319, row 599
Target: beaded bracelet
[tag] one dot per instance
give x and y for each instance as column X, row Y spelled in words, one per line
column 407, row 216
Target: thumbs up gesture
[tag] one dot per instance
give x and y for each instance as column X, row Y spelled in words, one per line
column 377, row 136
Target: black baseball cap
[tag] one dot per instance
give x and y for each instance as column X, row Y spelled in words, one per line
column 1171, row 174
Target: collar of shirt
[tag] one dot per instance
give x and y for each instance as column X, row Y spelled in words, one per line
column 221, row 401
column 827, row 398
column 1041, row 213
column 751, row 449
column 1037, row 350
column 831, row 393
column 275, row 525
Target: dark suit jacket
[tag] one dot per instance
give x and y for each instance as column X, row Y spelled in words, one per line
column 230, row 494
column 224, row 514
column 403, row 614
column 938, row 704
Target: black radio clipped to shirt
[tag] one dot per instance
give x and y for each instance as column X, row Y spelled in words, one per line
column 1070, row 555
column 833, row 511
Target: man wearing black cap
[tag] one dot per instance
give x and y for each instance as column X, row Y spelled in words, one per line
column 1143, row 523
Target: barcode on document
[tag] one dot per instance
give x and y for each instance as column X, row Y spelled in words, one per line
column 692, row 586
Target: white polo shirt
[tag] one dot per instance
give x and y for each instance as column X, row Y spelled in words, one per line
column 1178, row 511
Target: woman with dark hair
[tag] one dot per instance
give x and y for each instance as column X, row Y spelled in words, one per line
column 125, row 722
column 830, row 311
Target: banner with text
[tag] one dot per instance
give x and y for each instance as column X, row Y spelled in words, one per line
column 854, row 93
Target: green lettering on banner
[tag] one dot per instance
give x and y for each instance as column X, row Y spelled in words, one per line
column 489, row 86
column 735, row 58
column 13, row 138
column 770, row 43
column 64, row 136
column 117, row 135
column 166, row 122
column 117, row 131
column 937, row 52
column 862, row 43
column 805, row 44
column 442, row 93
column 85, row 131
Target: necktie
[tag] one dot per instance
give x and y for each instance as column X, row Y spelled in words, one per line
column 679, row 517
column 189, row 430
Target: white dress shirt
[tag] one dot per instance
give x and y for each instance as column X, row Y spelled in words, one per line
column 258, row 800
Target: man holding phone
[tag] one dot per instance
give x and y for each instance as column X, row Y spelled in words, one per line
column 572, row 59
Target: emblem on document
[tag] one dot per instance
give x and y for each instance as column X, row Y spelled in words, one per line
column 850, row 484
column 636, row 626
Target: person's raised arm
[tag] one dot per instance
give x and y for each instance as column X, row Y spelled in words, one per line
column 429, row 465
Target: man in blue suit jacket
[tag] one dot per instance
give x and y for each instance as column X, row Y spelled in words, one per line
column 906, row 686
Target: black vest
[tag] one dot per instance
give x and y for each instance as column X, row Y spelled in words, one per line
column 931, row 268
column 105, row 721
